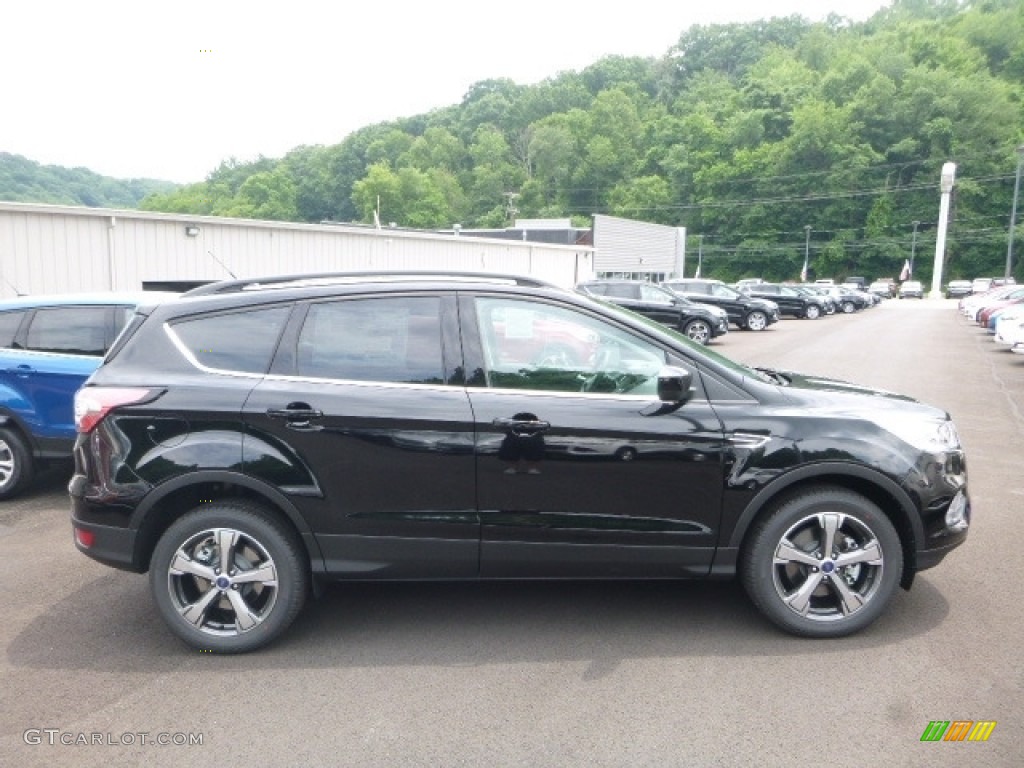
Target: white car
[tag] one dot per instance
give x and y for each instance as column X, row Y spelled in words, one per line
column 1010, row 327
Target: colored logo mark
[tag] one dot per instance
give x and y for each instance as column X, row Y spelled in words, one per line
column 958, row 730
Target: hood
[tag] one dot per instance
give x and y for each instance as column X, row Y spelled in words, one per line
column 842, row 396
column 716, row 311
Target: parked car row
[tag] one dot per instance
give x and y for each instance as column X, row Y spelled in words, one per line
column 1000, row 311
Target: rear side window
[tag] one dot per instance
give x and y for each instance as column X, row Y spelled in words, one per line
column 393, row 339
column 70, row 330
column 621, row 290
column 9, row 323
column 236, row 341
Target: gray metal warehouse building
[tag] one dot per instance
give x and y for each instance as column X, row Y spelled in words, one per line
column 61, row 249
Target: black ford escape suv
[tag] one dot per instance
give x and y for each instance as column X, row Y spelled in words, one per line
column 745, row 312
column 698, row 322
column 254, row 437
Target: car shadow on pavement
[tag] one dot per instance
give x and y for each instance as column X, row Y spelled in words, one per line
column 110, row 625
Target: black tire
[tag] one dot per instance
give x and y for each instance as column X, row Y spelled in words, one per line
column 16, row 468
column 849, row 307
column 626, row 453
column 261, row 546
column 755, row 321
column 813, row 312
column 698, row 330
column 813, row 594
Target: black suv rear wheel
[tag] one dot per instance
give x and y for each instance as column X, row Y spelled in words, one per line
column 228, row 577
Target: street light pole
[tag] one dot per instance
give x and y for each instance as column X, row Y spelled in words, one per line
column 913, row 247
column 1013, row 212
column 946, row 180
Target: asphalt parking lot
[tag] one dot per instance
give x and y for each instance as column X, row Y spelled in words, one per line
column 638, row 674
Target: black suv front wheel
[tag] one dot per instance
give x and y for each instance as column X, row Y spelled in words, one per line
column 823, row 564
column 756, row 320
column 228, row 577
column 698, row 330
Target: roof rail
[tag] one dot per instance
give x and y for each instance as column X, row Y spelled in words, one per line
column 328, row 278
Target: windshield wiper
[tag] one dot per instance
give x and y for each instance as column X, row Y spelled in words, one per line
column 776, row 376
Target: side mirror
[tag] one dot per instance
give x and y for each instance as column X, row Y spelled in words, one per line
column 675, row 385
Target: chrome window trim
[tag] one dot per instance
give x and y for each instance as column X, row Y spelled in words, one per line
column 187, row 354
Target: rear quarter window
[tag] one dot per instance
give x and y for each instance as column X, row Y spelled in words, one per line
column 9, row 324
column 234, row 341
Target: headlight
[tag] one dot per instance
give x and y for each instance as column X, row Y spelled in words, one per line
column 925, row 434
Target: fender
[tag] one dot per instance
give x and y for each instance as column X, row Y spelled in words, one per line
column 858, row 471
column 143, row 543
column 269, row 492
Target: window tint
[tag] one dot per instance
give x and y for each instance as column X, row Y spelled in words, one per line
column 655, row 295
column 722, row 291
column 389, row 339
column 622, row 290
column 544, row 347
column 70, row 330
column 239, row 341
column 9, row 322
column 597, row 289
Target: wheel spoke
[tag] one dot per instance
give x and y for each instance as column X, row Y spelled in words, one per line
column 788, row 553
column 226, row 541
column 849, row 600
column 244, row 618
column 829, row 523
column 183, row 564
column 196, row 612
column 265, row 574
column 871, row 554
column 800, row 601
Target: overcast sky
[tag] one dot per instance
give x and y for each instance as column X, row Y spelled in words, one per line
column 168, row 90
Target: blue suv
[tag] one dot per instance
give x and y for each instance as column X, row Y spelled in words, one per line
column 49, row 345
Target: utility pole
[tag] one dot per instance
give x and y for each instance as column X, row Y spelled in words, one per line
column 913, row 247
column 807, row 252
column 1013, row 212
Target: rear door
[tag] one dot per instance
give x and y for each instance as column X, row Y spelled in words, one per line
column 368, row 392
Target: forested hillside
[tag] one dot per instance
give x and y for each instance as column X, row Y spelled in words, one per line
column 747, row 134
column 25, row 181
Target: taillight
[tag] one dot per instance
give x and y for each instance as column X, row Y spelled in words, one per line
column 85, row 538
column 92, row 404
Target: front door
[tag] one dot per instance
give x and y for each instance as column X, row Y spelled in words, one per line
column 581, row 472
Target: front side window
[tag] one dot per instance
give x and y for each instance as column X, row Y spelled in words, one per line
column 70, row 330
column 392, row 339
column 654, row 295
column 723, row 291
column 533, row 345
column 234, row 341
